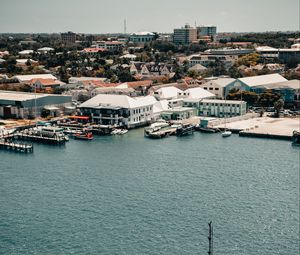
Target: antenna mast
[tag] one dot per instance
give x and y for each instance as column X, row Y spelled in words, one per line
column 124, row 26
column 210, row 239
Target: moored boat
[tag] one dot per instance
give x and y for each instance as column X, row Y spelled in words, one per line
column 84, row 136
column 185, row 129
column 226, row 133
column 296, row 138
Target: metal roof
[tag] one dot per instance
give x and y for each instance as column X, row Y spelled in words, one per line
column 262, row 79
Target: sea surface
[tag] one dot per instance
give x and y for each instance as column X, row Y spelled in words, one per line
column 133, row 195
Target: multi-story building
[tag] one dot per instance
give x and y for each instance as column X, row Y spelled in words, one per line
column 216, row 85
column 293, row 53
column 68, row 37
column 207, row 30
column 119, row 110
column 185, row 35
column 109, row 45
column 221, row 108
column 142, row 37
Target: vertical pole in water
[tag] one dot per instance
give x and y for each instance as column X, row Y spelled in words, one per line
column 210, row 239
column 35, row 110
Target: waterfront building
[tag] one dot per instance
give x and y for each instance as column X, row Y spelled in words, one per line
column 247, row 83
column 142, row 37
column 193, row 96
column 119, row 110
column 68, row 37
column 216, row 85
column 185, row 35
column 289, row 90
column 178, row 113
column 221, row 108
column 27, row 105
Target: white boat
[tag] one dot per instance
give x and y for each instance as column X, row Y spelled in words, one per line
column 123, row 131
column 226, row 133
column 155, row 127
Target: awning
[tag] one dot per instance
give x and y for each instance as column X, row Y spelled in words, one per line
column 51, row 108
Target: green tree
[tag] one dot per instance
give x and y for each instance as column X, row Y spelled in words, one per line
column 278, row 105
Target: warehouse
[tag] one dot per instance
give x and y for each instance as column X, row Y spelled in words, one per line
column 27, row 105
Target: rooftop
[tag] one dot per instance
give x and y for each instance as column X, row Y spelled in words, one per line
column 23, row 78
column 262, row 79
column 118, row 101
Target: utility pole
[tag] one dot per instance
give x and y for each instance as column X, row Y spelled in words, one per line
column 210, row 238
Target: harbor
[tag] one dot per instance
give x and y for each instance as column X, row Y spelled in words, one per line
column 16, row 147
column 103, row 187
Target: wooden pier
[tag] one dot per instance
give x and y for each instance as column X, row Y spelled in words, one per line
column 41, row 139
column 17, row 147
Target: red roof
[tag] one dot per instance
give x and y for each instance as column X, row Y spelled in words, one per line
column 93, row 50
column 80, row 117
column 134, row 84
column 45, row 82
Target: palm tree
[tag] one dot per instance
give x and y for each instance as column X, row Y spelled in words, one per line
column 278, row 105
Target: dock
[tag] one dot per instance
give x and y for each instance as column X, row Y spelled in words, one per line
column 164, row 132
column 39, row 139
column 17, row 147
column 265, row 135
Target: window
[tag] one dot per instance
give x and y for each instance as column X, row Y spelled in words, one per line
column 205, row 88
column 216, row 88
column 211, row 88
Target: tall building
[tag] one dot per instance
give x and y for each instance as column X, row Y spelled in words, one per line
column 208, row 30
column 68, row 37
column 185, row 35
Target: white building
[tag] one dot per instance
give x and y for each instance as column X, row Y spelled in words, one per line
column 142, row 37
column 221, row 108
column 216, row 85
column 167, row 93
column 26, row 78
column 120, row 110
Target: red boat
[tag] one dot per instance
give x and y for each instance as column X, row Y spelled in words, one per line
column 84, row 136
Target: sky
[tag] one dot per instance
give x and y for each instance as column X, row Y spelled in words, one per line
column 107, row 16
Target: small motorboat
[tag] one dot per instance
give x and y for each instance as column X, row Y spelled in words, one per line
column 123, row 131
column 226, row 133
column 84, row 136
column 115, row 132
